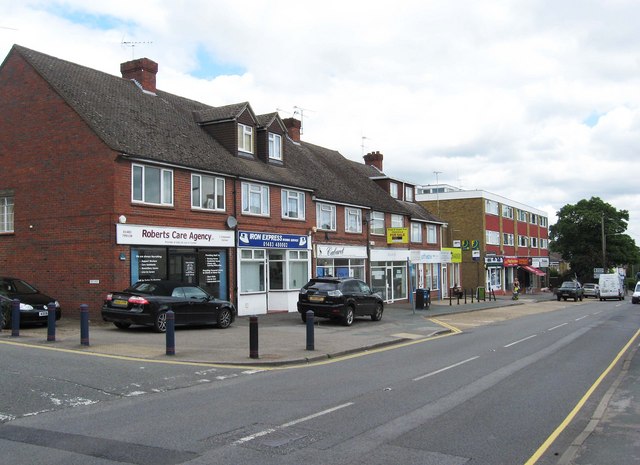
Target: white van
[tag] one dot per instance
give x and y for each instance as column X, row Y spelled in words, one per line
column 611, row 286
column 635, row 299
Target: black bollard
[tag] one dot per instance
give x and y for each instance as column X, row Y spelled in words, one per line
column 310, row 338
column 84, row 325
column 15, row 318
column 51, row 322
column 171, row 333
column 253, row 337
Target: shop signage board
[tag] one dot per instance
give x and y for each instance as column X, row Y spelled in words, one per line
column 269, row 240
column 340, row 251
column 397, row 235
column 166, row 236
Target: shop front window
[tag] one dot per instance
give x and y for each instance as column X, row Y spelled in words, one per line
column 252, row 270
column 276, row 270
column 298, row 268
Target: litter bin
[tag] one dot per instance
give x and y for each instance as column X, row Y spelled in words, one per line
column 481, row 294
column 423, row 298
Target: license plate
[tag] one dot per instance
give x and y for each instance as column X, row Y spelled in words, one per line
column 316, row 298
column 120, row 303
column 45, row 313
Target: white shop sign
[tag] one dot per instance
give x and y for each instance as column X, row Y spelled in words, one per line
column 340, row 251
column 159, row 235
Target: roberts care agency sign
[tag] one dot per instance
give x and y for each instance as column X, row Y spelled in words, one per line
column 158, row 235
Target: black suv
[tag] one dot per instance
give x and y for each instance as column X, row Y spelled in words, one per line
column 339, row 298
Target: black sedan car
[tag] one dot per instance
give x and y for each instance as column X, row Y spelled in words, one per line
column 339, row 298
column 147, row 303
column 34, row 305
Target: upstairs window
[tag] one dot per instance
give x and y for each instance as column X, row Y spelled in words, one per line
column 326, row 216
column 293, row 205
column 397, row 221
column 507, row 239
column 353, row 220
column 534, row 218
column 493, row 237
column 432, row 236
column 523, row 241
column 152, row 185
column 534, row 242
column 275, row 146
column 255, row 199
column 507, row 211
column 522, row 215
column 245, row 138
column 377, row 223
column 491, row 207
column 416, row 232
column 544, row 243
column 393, row 190
column 207, row 192
column 408, row 193
column 543, row 221
column 6, row 213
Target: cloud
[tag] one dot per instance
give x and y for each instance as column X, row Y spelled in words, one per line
column 535, row 101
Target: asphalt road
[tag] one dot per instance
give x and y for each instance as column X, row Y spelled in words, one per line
column 492, row 394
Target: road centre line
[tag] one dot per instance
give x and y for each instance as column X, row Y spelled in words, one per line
column 556, row 327
column 445, row 368
column 251, row 437
column 581, row 318
column 521, row 340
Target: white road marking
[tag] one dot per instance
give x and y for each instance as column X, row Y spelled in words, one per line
column 556, row 327
column 251, row 437
column 581, row 318
column 445, row 368
column 521, row 340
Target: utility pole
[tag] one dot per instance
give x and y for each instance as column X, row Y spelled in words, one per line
column 604, row 246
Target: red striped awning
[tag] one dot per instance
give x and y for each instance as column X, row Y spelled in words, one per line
column 534, row 270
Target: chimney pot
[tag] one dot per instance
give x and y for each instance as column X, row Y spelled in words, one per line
column 374, row 159
column 293, row 128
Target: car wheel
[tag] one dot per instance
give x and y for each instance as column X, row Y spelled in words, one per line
column 564, row 298
column 121, row 325
column 580, row 298
column 575, row 299
column 224, row 318
column 558, row 298
column 348, row 317
column 160, row 323
column 303, row 316
column 377, row 315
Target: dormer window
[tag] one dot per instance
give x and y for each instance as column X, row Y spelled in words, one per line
column 408, row 193
column 275, row 146
column 393, row 190
column 245, row 138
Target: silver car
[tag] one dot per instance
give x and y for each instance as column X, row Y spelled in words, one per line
column 591, row 290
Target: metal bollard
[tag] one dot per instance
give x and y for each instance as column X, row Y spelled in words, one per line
column 51, row 322
column 310, row 330
column 253, row 337
column 84, row 325
column 15, row 318
column 171, row 333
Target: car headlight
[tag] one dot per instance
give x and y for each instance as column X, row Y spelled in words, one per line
column 57, row 304
column 25, row 307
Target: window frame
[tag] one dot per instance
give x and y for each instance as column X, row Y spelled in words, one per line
column 393, row 189
column 245, row 137
column 507, row 211
column 432, row 234
column 249, row 189
column 394, row 221
column 323, row 209
column 163, row 190
column 416, row 232
column 492, row 237
column 523, row 241
column 508, row 239
column 288, row 195
column 375, row 222
column 352, row 220
column 219, row 193
column 7, row 213
column 275, row 146
column 491, row 207
column 408, row 193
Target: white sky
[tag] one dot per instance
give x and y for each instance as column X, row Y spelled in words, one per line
column 534, row 100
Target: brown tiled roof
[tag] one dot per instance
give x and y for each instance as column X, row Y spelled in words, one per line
column 165, row 128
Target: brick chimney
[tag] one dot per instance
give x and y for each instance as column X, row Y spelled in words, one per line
column 374, row 159
column 293, row 128
column 143, row 70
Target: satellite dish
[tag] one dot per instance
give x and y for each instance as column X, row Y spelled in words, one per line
column 232, row 222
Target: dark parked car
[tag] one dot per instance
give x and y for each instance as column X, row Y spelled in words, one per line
column 591, row 290
column 33, row 303
column 339, row 298
column 147, row 303
column 570, row 290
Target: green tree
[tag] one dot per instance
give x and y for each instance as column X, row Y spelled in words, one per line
column 578, row 237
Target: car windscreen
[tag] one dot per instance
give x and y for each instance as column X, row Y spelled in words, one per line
column 20, row 287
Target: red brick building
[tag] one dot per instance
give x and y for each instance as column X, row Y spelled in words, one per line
column 106, row 180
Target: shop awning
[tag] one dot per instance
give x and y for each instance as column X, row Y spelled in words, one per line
column 534, row 270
